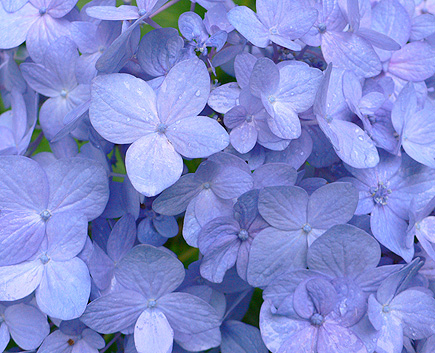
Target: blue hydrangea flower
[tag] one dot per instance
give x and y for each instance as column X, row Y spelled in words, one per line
column 147, row 302
column 30, row 196
column 271, row 24
column 296, row 220
column 24, row 322
column 41, row 22
column 71, row 337
column 161, row 127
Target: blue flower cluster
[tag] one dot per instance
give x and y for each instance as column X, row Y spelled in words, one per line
column 294, row 147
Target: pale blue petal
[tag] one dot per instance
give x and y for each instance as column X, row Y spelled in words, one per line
column 247, row 23
column 275, row 251
column 111, row 13
column 27, row 325
column 337, row 252
column 123, row 108
column 197, row 137
column 115, row 311
column 18, row 281
column 187, row 313
column 153, row 164
column 153, row 333
column 79, row 185
column 284, row 207
column 14, row 26
column 122, row 238
column 184, row 92
column 150, row 271
column 64, row 290
column 332, row 204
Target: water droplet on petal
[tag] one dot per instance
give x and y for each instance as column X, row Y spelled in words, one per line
column 198, row 93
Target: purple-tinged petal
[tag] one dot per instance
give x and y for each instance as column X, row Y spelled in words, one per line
column 316, row 295
column 243, row 66
column 244, row 137
column 284, row 207
column 122, row 238
column 18, row 281
column 43, row 32
column 352, row 144
column 414, row 62
column 390, row 338
column 4, row 336
column 275, row 251
column 175, row 199
column 231, row 182
column 197, row 137
column 274, row 174
column 115, row 311
column 265, row 77
column 13, row 5
column 27, row 325
column 337, row 252
column 241, row 338
column 65, row 288
column 225, row 97
column 390, row 231
column 21, row 234
column 184, row 92
column 123, row 108
column 153, row 164
column 15, row 26
column 219, row 243
column 417, row 311
column 337, row 339
column 281, row 331
column 22, row 194
column 349, row 51
column 332, row 204
column 298, row 86
column 166, row 226
column 153, row 333
column 247, row 23
column 66, row 235
column 111, row 13
column 423, row 26
column 150, row 271
column 208, row 206
column 187, row 313
column 41, row 79
column 101, row 267
column 78, row 184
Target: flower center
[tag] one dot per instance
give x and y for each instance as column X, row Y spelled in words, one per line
column 249, row 118
column 306, row 228
column 64, row 93
column 380, row 194
column 271, row 99
column 206, row 185
column 152, row 303
column 161, row 128
column 386, row 309
column 243, row 234
column 44, row 259
column 316, row 319
column 142, row 12
column 42, row 10
column 45, row 215
column 321, row 28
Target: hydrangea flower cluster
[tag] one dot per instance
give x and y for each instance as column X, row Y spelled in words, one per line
column 285, row 156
